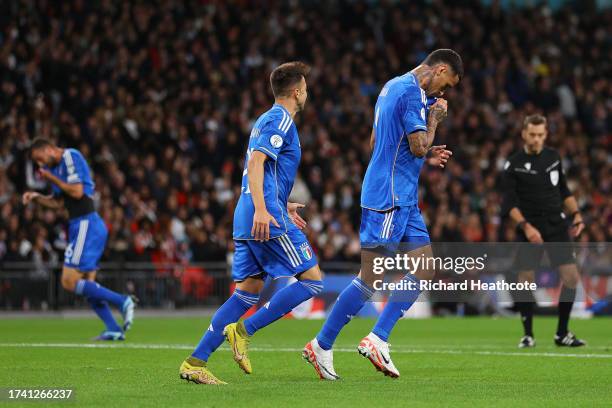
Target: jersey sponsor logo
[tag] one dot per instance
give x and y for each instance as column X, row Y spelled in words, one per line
column 306, row 251
column 276, row 141
column 527, row 166
column 554, row 177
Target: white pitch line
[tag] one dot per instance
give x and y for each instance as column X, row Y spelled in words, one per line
column 144, row 346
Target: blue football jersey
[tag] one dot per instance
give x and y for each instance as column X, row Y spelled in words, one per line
column 73, row 169
column 392, row 177
column 275, row 135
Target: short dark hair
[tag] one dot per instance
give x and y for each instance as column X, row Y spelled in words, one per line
column 446, row 56
column 535, row 119
column 286, row 75
column 40, row 142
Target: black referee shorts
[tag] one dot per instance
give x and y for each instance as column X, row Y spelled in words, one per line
column 557, row 244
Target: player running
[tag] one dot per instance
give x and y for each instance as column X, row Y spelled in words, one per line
column 267, row 235
column 535, row 195
column 405, row 120
column 73, row 187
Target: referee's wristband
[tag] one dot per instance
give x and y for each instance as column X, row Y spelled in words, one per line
column 521, row 225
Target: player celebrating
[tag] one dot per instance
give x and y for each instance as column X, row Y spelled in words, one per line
column 535, row 192
column 267, row 235
column 73, row 188
column 405, row 120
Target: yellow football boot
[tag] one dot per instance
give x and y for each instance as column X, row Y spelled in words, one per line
column 238, row 339
column 198, row 374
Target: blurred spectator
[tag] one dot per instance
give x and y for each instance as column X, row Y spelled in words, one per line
column 160, row 99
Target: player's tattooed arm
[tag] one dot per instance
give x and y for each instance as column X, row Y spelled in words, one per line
column 437, row 112
column 420, row 142
column 46, row 201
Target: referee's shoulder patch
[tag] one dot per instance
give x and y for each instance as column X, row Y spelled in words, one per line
column 507, row 165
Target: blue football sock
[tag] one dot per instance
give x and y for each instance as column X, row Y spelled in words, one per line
column 229, row 312
column 105, row 314
column 95, row 291
column 282, row 303
column 399, row 302
column 349, row 303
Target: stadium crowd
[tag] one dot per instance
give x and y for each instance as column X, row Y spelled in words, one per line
column 160, row 97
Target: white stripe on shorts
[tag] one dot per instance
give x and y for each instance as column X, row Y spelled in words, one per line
column 80, row 243
column 387, row 230
column 290, row 249
column 287, row 251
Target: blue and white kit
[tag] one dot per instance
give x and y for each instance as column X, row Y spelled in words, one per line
column 288, row 252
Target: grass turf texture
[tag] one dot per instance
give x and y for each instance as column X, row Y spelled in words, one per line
column 443, row 362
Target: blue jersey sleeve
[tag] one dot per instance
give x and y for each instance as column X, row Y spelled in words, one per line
column 414, row 115
column 76, row 167
column 273, row 136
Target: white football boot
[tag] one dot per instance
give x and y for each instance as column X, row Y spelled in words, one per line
column 321, row 360
column 377, row 351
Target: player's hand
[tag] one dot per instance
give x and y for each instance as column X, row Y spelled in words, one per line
column 29, row 196
column 261, row 225
column 578, row 226
column 438, row 111
column 295, row 217
column 45, row 174
column 532, row 234
column 439, row 156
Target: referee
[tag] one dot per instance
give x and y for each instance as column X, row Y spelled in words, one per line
column 535, row 195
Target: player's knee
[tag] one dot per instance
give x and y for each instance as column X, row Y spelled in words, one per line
column 313, row 273
column 571, row 280
column 252, row 285
column 569, row 275
column 526, row 277
column 68, row 283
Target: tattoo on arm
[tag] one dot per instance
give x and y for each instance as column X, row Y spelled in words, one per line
column 437, row 114
column 420, row 142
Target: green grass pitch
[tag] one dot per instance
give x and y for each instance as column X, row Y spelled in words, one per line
column 443, row 362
